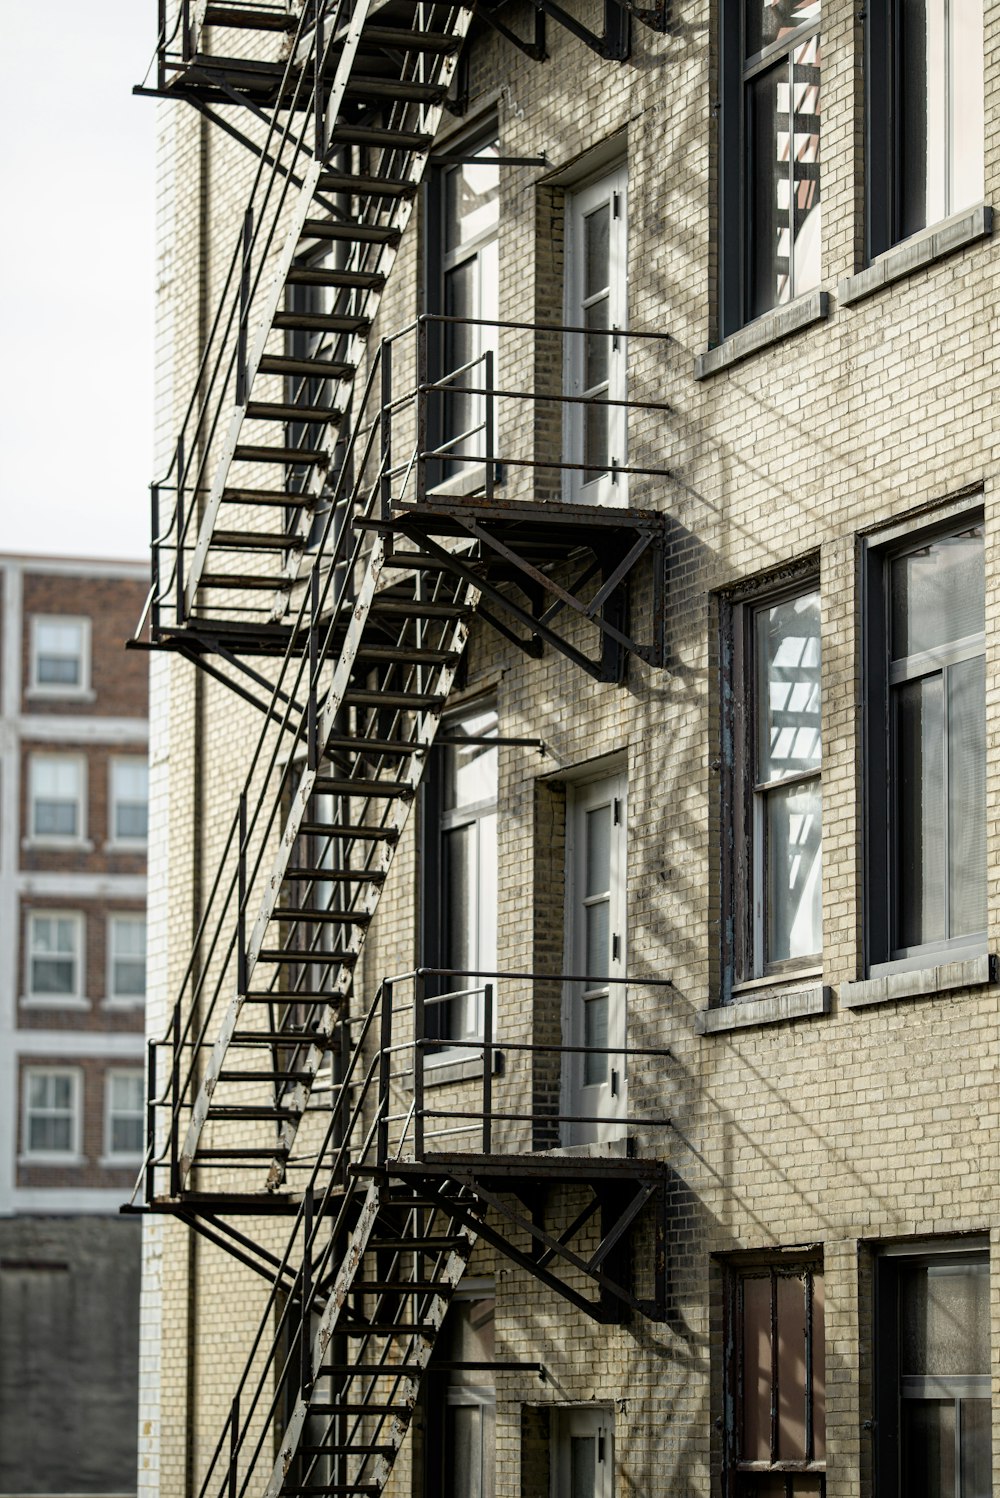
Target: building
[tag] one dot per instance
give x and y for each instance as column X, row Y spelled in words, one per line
column 73, row 783
column 575, row 853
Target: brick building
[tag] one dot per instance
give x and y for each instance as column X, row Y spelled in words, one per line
column 574, row 876
column 73, row 781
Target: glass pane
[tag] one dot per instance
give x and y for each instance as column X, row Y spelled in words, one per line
column 793, row 838
column 129, row 978
column 968, row 118
column 463, row 1458
column 920, row 812
column 768, row 21
column 52, row 975
column 597, row 350
column 756, row 1423
column 50, row 1134
column 470, row 774
column 768, row 171
column 791, row 1369
column 927, row 1442
column 127, row 1136
column 583, row 1463
column 457, row 897
column 39, row 1090
column 58, row 670
column 55, row 818
column 806, row 167
column 967, row 797
column 921, row 83
column 938, row 593
column 597, row 878
column 945, row 1319
column 788, row 688
column 486, row 874
column 472, row 197
column 131, row 819
column 976, row 1457
column 595, row 1032
column 598, row 949
column 595, row 442
column 60, row 1092
column 597, row 250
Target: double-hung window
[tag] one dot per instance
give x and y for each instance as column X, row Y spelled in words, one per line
column 57, row 784
column 770, row 156
column 60, row 655
column 927, row 749
column 55, row 955
column 933, row 1436
column 51, row 1118
column 129, row 801
column 125, row 1114
column 926, row 121
column 773, row 718
column 127, row 958
column 596, row 270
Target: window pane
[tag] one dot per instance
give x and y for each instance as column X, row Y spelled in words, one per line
column 920, row 83
column 938, row 594
column 53, row 975
column 968, row 118
column 977, row 1455
column 583, row 1459
column 967, row 797
column 56, row 818
column 793, row 837
column 597, row 920
column 458, row 902
column 791, row 1369
column 597, row 350
column 806, row 223
column 595, row 1033
column 472, row 196
column 598, row 873
column 470, row 774
column 920, row 812
column 597, row 250
column 788, row 687
column 768, row 166
column 463, row 1464
column 768, row 21
column 756, row 1443
column 49, row 1134
column 927, row 1441
column 945, row 1318
column 127, row 1136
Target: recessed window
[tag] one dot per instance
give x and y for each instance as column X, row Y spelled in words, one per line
column 582, row 1460
column 775, row 1425
column 926, row 122
column 927, row 748
column 60, row 655
column 127, row 958
column 125, row 1114
column 55, row 955
column 770, row 150
column 57, row 795
column 596, row 269
column 460, row 1403
column 51, row 1126
column 933, row 1424
column 129, row 818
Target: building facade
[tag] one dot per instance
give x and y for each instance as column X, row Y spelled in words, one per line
column 73, row 780
column 575, row 854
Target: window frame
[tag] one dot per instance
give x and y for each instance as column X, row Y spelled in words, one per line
column 115, row 839
column 887, row 1395
column 114, row 998
column 76, row 997
column 745, row 970
column 111, row 1156
column 586, row 1421
column 443, row 1391
column 878, row 554
column 609, row 187
column 71, row 1155
column 77, row 839
column 80, row 689
column 737, row 72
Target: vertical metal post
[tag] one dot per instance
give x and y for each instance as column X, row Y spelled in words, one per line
column 150, row 1120
column 384, row 1060
column 180, row 528
column 161, row 44
column 422, row 396
column 234, row 1447
column 241, row 331
column 186, row 29
column 175, row 1120
column 419, row 1033
column 319, row 123
column 241, row 895
column 488, row 425
column 305, row 1342
column 154, row 526
column 385, row 485
column 312, row 712
column 488, row 1069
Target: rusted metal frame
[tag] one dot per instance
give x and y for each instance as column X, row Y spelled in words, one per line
column 549, row 327
column 487, row 1068
column 597, row 981
column 382, row 1102
column 638, row 549
column 149, row 1191
column 198, row 659
column 623, row 1221
column 234, row 1446
column 241, row 896
column 199, row 1225
column 531, row 647
column 590, row 571
column 428, row 386
column 175, row 1071
column 535, row 50
column 545, row 1256
column 306, row 1293
column 611, row 46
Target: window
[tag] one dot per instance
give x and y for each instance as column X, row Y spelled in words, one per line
column 460, row 1403
column 926, row 123
column 770, row 156
column 775, row 1428
column 129, row 800
column 460, row 866
column 596, row 268
column 463, row 282
column 773, row 715
column 55, row 955
column 60, row 655
column 125, row 1114
column 932, row 1373
column 927, row 749
column 127, row 958
column 51, row 1112
column 57, row 790
column 583, row 1453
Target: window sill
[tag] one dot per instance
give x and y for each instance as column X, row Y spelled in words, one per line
column 975, row 972
column 60, row 694
column 913, row 254
column 54, row 1001
column 772, row 327
column 57, row 844
column 773, row 1008
column 119, row 1162
column 51, row 1159
column 124, row 1005
column 447, row 1073
column 126, row 845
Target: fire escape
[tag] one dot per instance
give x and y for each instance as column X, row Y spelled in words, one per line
column 337, row 598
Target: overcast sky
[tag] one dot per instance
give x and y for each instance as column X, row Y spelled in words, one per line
column 76, row 277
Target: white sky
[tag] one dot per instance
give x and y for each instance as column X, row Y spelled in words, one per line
column 76, row 277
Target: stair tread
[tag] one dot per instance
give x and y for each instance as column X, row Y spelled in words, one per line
column 282, row 411
column 291, row 364
column 366, row 186
column 371, row 135
column 335, row 876
column 326, row 786
column 345, row 829
column 321, row 275
column 257, row 453
column 335, row 917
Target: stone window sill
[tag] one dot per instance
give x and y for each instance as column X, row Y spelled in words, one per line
column 770, row 1009
column 975, row 972
column 53, row 1159
column 54, row 1001
column 913, row 254
column 772, row 327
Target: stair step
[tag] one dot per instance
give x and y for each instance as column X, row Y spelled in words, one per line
column 310, row 959
column 385, row 1329
column 336, row 876
column 277, row 1037
column 410, row 41
column 294, row 996
column 324, row 228
column 321, row 917
column 247, row 454
column 323, row 1488
column 350, row 830
column 266, row 1076
column 412, row 561
column 267, row 497
column 358, row 1450
column 278, row 411
column 324, row 786
column 412, row 608
column 420, row 1245
column 240, row 1154
column 248, row 1112
column 321, row 275
column 238, row 580
column 330, row 1408
column 249, row 18
column 363, row 697
column 254, row 541
column 320, row 369
column 407, row 655
column 401, row 1287
column 321, row 322
column 365, row 87
column 366, row 187
column 372, row 135
column 397, row 747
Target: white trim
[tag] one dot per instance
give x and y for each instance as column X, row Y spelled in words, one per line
column 81, row 887
column 76, row 998
column 16, row 561
column 53, row 1200
column 73, row 1002
column 70, row 1156
column 113, row 999
column 111, row 1157
column 79, row 691
column 10, row 832
column 77, row 1044
column 57, row 728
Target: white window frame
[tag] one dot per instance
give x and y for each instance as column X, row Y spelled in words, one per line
column 77, row 839
column 610, row 188
column 52, row 1157
column 115, row 840
column 112, row 1156
column 114, row 999
column 80, row 689
column 76, row 998
column 583, row 1420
